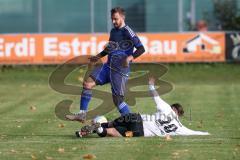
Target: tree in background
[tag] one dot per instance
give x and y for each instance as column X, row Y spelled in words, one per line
column 227, row 14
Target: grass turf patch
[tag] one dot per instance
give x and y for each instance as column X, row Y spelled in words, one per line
column 30, row 130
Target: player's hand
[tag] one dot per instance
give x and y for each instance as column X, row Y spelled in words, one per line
column 94, row 59
column 151, row 81
column 127, row 61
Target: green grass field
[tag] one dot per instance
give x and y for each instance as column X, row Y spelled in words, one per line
column 29, row 128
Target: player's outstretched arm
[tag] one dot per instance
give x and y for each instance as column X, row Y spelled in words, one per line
column 161, row 104
column 105, row 52
column 94, row 59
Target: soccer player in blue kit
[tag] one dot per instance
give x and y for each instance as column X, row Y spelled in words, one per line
column 120, row 51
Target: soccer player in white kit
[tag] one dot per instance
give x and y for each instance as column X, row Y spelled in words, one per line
column 164, row 122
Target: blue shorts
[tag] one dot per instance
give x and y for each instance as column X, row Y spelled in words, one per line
column 115, row 76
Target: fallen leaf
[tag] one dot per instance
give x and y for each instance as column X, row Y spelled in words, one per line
column 61, row 125
column 83, row 147
column 48, row 158
column 200, row 124
column 3, row 136
column 234, row 154
column 129, row 134
column 81, row 70
column 80, row 79
column 74, row 148
column 33, row 108
column 48, row 121
column 61, row 150
column 13, row 151
column 160, row 146
column 89, row 156
column 237, row 147
column 126, row 139
column 175, row 153
column 33, row 157
column 220, row 115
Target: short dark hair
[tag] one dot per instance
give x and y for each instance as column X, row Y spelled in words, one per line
column 179, row 108
column 118, row 10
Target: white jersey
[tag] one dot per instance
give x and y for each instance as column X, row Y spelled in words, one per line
column 165, row 121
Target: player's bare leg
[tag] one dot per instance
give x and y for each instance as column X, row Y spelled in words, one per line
column 88, row 84
column 112, row 132
column 96, row 128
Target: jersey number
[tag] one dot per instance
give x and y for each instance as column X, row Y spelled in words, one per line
column 168, row 128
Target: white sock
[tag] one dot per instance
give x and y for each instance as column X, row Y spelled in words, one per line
column 151, row 87
column 82, row 111
column 100, row 130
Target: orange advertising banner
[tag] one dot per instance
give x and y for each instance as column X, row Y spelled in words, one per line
column 160, row 47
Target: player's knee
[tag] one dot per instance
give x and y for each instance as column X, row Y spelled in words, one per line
column 89, row 83
column 86, row 85
column 117, row 99
column 113, row 132
column 103, row 133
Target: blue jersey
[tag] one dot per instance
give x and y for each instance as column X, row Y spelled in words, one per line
column 121, row 44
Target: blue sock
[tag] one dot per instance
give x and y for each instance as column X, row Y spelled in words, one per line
column 123, row 108
column 85, row 99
